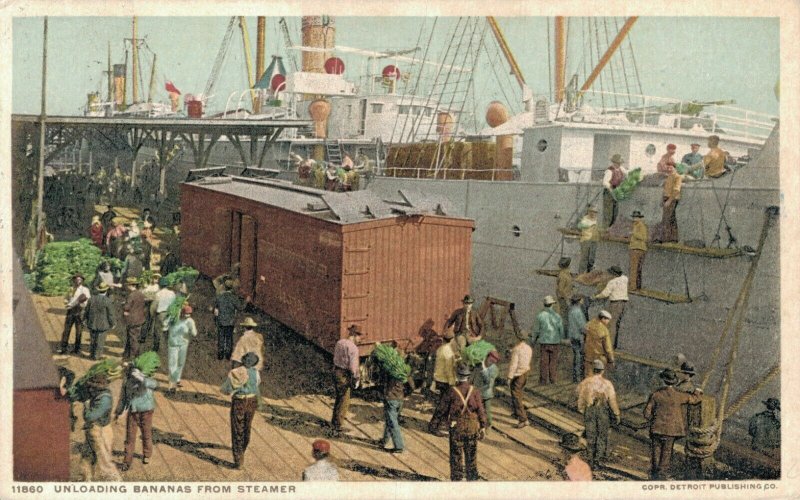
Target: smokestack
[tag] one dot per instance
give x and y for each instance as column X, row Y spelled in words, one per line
column 119, row 85
column 319, row 32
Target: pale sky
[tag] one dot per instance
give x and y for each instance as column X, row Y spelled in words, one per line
column 685, row 58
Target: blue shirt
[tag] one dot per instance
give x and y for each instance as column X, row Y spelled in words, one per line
column 575, row 322
column 137, row 396
column 98, row 410
column 690, row 159
column 484, row 380
column 246, row 389
column 548, row 327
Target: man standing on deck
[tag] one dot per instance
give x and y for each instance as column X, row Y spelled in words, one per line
column 134, row 313
column 597, row 401
column 76, row 304
column 466, row 323
column 612, row 178
column 685, row 374
column 548, row 332
column 669, row 200
column 484, row 380
column 590, row 235
column 444, row 368
column 518, row 368
column 598, row 342
column 242, row 384
column 99, row 320
column 576, row 321
column 637, row 249
column 462, row 408
column 564, row 287
column 667, row 160
column 164, row 298
column 346, row 374
column 616, row 291
column 250, row 341
column 226, row 304
column 666, row 414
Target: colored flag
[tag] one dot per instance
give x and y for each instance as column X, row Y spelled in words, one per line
column 172, row 88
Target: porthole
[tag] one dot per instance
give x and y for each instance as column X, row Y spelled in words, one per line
column 515, row 231
column 541, row 145
column 650, row 150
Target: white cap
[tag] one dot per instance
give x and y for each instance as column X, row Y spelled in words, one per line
column 548, row 300
column 605, row 314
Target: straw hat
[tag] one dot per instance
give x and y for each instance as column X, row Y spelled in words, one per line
column 249, row 322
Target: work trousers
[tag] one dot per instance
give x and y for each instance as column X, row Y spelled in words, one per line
column 160, row 329
column 242, row 412
column 517, row 386
column 563, row 309
column 138, row 421
column 463, row 455
column 637, row 262
column 588, row 252
column 596, row 421
column 74, row 317
column 176, row 359
column 391, row 429
column 342, row 379
column 660, row 455
column 97, row 344
column 669, row 222
column 617, row 310
column 133, row 341
column 548, row 363
column 610, row 209
column 100, row 441
column 224, row 342
column 577, row 360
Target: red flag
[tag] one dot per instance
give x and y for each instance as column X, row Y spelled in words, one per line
column 172, row 88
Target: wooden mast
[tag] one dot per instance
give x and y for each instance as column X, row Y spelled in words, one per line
column 501, row 40
column 260, row 36
column 135, row 55
column 561, row 57
column 609, row 52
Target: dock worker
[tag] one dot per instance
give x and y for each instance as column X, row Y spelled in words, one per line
column 666, row 414
column 714, row 160
column 597, row 344
column 444, row 367
column 575, row 469
column 564, row 287
column 685, row 374
column 597, row 402
column 576, row 321
column 178, row 346
column 694, row 162
column 462, row 408
column 232, row 275
column 484, row 380
column 466, row 323
column 637, row 249
column 548, row 332
column 612, row 178
column 346, row 374
column 322, row 469
column 431, row 341
column 242, row 384
column 134, row 313
column 137, row 399
column 589, row 237
column 76, row 302
column 99, row 320
column 132, row 266
column 226, row 305
column 670, row 199
column 667, row 160
column 765, row 428
column 98, row 429
column 393, row 390
column 616, row 291
column 250, row 341
column 518, row 368
column 164, row 298
column 96, row 233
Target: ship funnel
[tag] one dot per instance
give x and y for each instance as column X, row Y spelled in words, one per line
column 319, row 32
column 119, row 84
column 496, row 115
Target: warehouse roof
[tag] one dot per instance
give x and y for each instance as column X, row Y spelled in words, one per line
column 345, row 208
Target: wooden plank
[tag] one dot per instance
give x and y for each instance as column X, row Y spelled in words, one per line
column 711, row 252
column 670, row 298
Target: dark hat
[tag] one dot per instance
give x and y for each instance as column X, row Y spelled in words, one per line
column 78, row 275
column 250, row 359
column 576, row 298
column 571, row 442
column 464, row 370
column 449, row 333
column 687, row 368
column 468, row 299
column 163, row 282
column 321, row 446
column 772, row 404
column 615, row 270
column 617, row 158
column 695, row 144
column 669, row 377
column 564, row 262
column 637, row 215
column 354, row 330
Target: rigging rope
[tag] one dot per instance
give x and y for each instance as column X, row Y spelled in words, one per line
column 722, row 218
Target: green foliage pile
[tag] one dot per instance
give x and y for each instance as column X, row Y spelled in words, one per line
column 147, row 363
column 58, row 261
column 391, row 362
column 174, row 310
column 109, row 367
column 624, row 190
column 186, row 274
column 475, row 354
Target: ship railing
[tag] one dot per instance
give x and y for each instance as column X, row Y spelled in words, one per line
column 488, row 174
column 719, row 118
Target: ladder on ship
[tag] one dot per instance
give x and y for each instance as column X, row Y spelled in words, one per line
column 333, row 152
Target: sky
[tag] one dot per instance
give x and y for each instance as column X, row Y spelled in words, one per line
column 700, row 58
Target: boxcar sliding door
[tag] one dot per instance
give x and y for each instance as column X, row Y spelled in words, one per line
column 248, row 254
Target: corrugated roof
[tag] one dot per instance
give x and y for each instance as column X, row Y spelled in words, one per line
column 33, row 362
column 344, row 208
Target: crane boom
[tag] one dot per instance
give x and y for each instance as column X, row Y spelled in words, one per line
column 223, row 50
column 287, row 40
column 501, row 40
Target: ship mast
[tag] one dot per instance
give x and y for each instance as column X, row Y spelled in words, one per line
column 134, row 65
column 260, row 36
column 501, row 40
column 609, row 52
column 560, row 56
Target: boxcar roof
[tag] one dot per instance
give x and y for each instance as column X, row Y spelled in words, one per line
column 343, row 208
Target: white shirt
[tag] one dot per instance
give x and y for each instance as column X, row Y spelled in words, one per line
column 322, row 470
column 616, row 289
column 81, row 290
column 165, row 297
column 520, row 363
column 444, row 368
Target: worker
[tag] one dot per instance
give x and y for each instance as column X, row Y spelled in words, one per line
column 613, row 177
column 462, row 408
column 250, row 341
column 575, row 469
column 99, row 320
column 134, row 313
column 576, row 321
column 667, row 160
column 484, row 379
column 589, row 237
column 685, row 374
column 444, row 368
column 518, row 368
column 137, row 399
column 714, row 160
column 616, row 291
column 637, row 248
column 242, row 384
column 75, row 302
column 98, row 429
column 548, row 332
column 226, row 305
column 597, row 402
column 164, row 299
column 694, row 162
column 564, row 287
column 765, row 428
column 322, row 469
column 394, row 394
column 597, row 344
column 666, row 415
column 670, row 200
column 346, row 374
column 466, row 323
column 232, row 275
column 431, row 341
